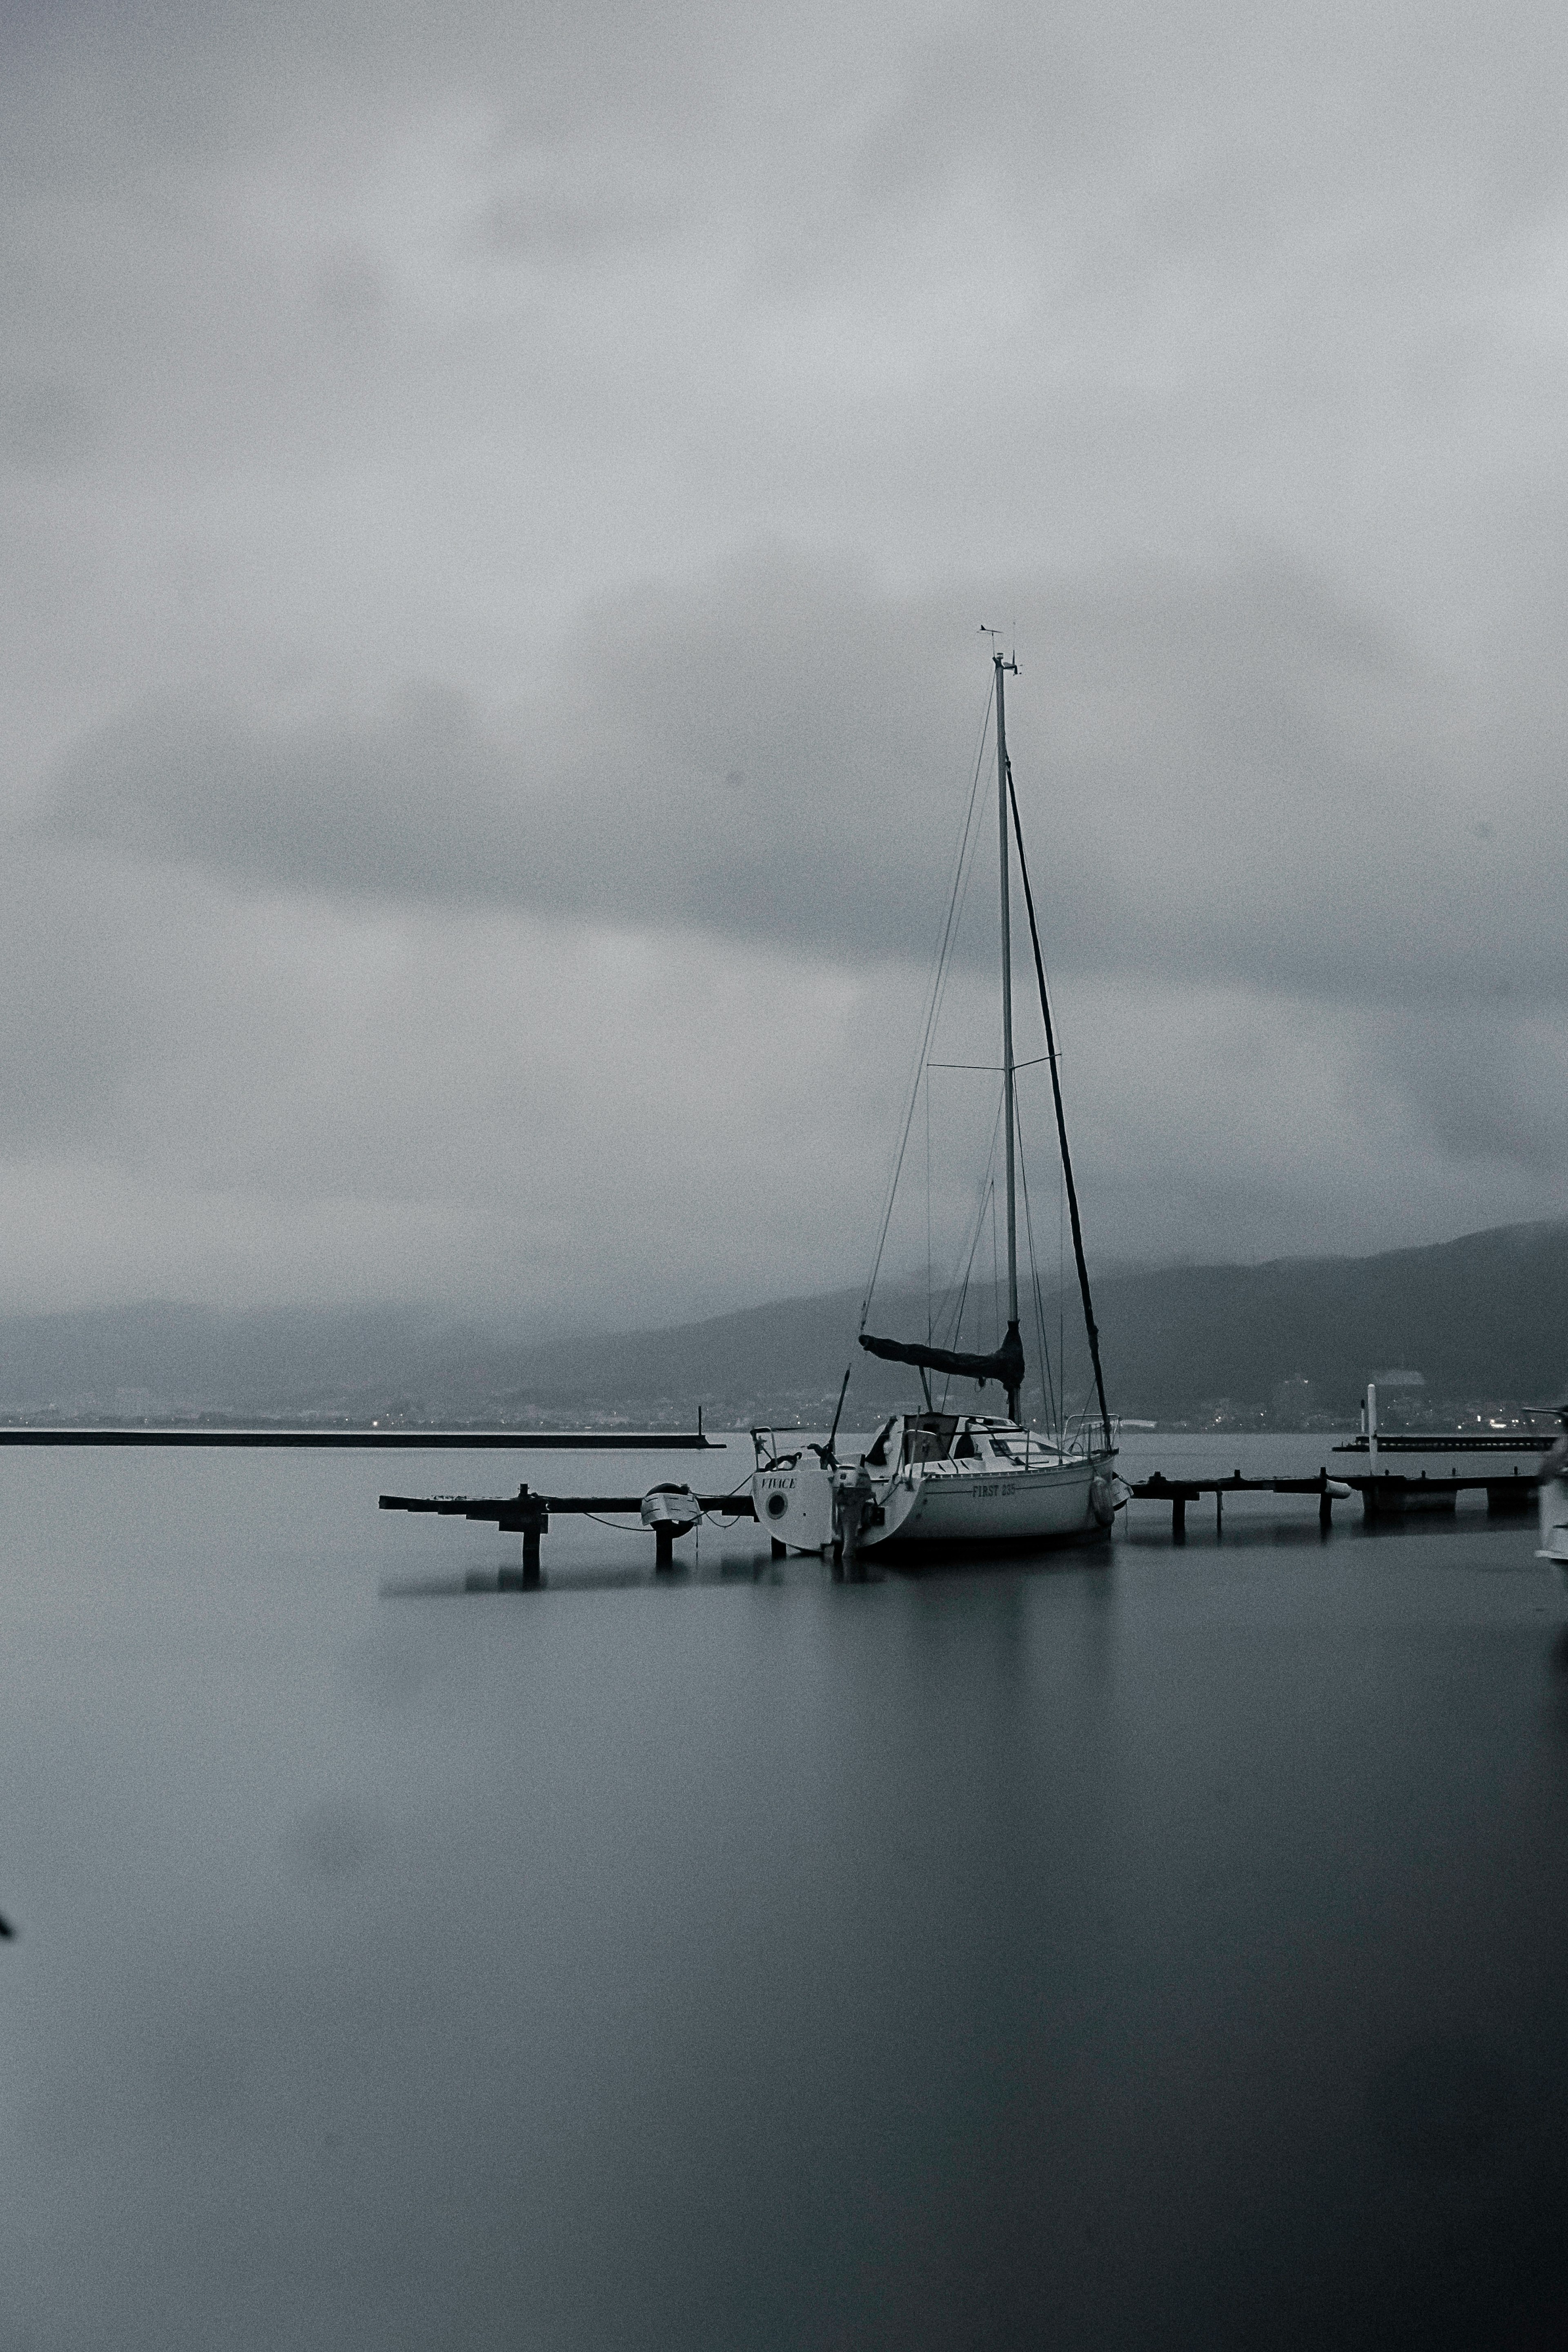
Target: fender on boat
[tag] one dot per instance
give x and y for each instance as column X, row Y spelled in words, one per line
column 1107, row 1494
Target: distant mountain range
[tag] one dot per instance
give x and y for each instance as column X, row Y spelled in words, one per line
column 1482, row 1318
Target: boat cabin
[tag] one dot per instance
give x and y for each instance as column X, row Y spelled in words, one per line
column 907, row 1438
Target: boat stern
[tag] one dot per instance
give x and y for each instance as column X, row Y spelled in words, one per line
column 794, row 1503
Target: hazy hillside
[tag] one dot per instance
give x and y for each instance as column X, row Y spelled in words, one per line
column 1484, row 1317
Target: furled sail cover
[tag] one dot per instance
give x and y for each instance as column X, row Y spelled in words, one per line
column 1005, row 1363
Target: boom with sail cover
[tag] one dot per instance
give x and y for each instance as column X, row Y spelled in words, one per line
column 1005, row 1363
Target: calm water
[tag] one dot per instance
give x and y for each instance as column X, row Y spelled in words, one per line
column 1149, row 1947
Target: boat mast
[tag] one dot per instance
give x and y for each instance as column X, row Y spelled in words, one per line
column 1003, row 668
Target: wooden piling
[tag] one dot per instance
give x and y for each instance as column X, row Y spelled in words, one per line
column 527, row 1518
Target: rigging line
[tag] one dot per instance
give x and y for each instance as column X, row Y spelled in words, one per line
column 996, row 1270
column 928, row 1204
column 987, row 1200
column 828, row 1455
column 964, row 877
column 1062, row 1288
column 944, row 978
column 986, row 1186
column 956, row 896
column 1047, row 1387
column 994, row 1066
column 945, row 975
column 932, row 1011
column 988, row 1193
column 1091, row 1327
column 954, row 909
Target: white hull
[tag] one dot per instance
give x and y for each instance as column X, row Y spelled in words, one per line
column 950, row 1503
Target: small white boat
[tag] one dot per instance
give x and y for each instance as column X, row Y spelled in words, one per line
column 1554, row 1499
column 935, row 1476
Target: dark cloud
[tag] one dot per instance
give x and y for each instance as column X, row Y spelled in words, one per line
column 1230, row 778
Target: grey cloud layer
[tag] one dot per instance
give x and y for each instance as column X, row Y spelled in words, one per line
column 495, row 506
column 1227, row 778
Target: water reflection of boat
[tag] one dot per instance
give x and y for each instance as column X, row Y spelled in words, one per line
column 931, row 1476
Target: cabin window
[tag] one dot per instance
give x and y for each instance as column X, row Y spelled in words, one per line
column 928, row 1435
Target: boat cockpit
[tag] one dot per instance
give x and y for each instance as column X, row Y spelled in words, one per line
column 905, row 1439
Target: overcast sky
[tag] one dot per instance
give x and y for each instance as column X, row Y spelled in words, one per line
column 498, row 506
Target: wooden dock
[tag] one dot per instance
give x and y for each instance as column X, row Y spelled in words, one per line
column 1517, row 1442
column 528, row 1515
column 1384, row 1495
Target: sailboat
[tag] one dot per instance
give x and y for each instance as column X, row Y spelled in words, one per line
column 937, row 1477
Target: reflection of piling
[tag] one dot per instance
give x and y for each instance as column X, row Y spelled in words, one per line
column 529, row 1518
